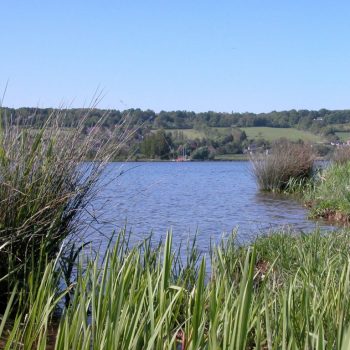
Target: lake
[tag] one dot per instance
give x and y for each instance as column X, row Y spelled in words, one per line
column 211, row 198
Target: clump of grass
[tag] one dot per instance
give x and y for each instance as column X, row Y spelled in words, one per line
column 330, row 197
column 45, row 184
column 285, row 163
column 282, row 291
column 341, row 155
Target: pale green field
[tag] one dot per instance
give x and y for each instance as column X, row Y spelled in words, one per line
column 343, row 126
column 188, row 133
column 343, row 135
column 194, row 134
column 231, row 157
column 269, row 134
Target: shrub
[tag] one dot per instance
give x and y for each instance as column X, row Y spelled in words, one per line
column 45, row 184
column 202, row 153
column 285, row 161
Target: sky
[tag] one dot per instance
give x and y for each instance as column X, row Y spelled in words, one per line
column 248, row 55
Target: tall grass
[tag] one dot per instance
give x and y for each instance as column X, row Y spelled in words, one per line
column 330, row 197
column 45, row 184
column 282, row 292
column 285, row 162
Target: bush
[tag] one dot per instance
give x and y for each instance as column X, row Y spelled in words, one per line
column 45, row 184
column 202, row 153
column 285, row 161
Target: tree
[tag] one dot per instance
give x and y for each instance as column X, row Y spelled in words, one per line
column 157, row 145
column 202, row 153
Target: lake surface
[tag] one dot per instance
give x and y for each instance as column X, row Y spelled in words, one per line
column 211, row 198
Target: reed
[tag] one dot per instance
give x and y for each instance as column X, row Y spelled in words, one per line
column 45, row 185
column 285, row 162
column 280, row 292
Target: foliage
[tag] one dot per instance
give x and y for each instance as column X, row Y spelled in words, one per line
column 330, row 197
column 301, row 119
column 199, row 129
column 202, row 153
column 216, row 140
column 157, row 145
column 44, row 188
column 282, row 292
column 326, row 122
column 285, row 161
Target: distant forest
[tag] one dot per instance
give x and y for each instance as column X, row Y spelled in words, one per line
column 314, row 121
column 162, row 135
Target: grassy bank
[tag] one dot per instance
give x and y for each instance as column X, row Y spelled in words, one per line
column 329, row 198
column 289, row 168
column 281, row 292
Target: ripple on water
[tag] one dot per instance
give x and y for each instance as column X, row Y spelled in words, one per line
column 208, row 197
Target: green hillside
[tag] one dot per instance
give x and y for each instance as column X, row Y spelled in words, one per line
column 271, row 134
column 343, row 135
column 267, row 133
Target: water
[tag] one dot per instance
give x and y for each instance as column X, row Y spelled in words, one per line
column 210, row 198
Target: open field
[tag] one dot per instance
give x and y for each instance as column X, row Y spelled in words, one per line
column 188, row 133
column 271, row 134
column 199, row 134
column 231, row 157
column 343, row 135
column 341, row 126
column 267, row 133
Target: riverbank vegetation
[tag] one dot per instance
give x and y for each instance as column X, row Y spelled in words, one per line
column 289, row 168
column 330, row 195
column 282, row 291
column 284, row 165
column 45, row 185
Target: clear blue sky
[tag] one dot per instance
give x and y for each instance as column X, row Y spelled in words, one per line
column 188, row 55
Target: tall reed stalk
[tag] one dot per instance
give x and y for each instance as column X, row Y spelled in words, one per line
column 45, row 184
column 281, row 292
column 286, row 162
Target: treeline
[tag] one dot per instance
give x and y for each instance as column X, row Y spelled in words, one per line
column 314, row 121
column 160, row 135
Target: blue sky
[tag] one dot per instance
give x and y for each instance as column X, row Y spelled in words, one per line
column 177, row 55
